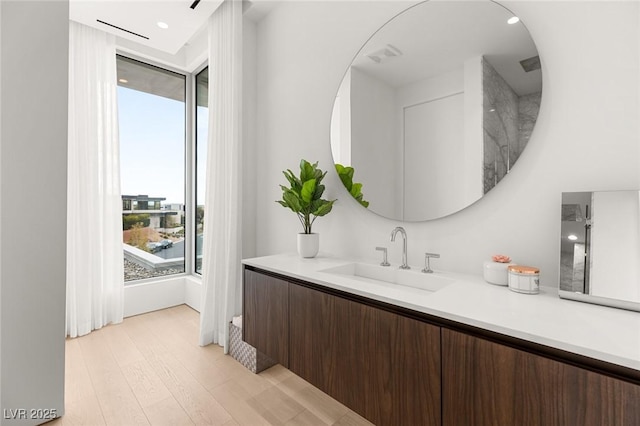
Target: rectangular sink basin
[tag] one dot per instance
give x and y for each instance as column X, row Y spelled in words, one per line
column 391, row 275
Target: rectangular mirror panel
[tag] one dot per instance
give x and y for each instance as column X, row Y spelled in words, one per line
column 600, row 248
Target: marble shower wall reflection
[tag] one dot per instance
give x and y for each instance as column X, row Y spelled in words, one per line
column 572, row 269
column 508, row 120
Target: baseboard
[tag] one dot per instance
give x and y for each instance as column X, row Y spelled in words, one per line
column 152, row 296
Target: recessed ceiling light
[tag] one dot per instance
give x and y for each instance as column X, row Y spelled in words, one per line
column 513, row 20
column 123, row 80
column 163, row 25
column 572, row 237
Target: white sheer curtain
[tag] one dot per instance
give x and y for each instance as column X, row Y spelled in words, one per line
column 95, row 283
column 222, row 238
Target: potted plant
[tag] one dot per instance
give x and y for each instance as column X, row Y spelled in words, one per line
column 304, row 198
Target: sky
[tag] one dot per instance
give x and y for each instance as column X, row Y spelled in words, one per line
column 152, row 146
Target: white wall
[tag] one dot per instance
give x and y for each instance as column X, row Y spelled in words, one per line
column 35, row 39
column 586, row 137
column 374, row 142
column 341, row 123
column 250, row 159
column 303, row 51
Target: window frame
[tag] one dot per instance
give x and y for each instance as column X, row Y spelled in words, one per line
column 189, row 165
column 194, row 163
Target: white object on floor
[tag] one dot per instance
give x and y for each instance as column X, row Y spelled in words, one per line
column 237, row 321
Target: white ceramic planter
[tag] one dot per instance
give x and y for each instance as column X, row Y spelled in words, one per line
column 308, row 245
column 496, row 273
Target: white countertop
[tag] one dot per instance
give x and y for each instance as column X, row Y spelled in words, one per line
column 603, row 333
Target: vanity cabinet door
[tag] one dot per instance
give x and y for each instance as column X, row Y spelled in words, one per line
column 266, row 315
column 383, row 366
column 485, row 383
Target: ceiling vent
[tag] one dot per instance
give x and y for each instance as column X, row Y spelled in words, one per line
column 572, row 213
column 530, row 64
column 122, row 29
column 385, row 54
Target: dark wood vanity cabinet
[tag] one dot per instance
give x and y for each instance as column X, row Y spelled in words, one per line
column 396, row 368
column 382, row 365
column 266, row 315
column 486, row 383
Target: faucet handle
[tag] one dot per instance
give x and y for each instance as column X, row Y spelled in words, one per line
column 427, row 267
column 384, row 256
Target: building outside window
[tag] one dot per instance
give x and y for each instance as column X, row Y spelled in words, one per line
column 152, row 121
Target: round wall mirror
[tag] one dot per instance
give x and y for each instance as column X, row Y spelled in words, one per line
column 436, row 108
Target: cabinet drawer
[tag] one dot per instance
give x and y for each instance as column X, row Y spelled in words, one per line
column 486, row 383
column 266, row 315
column 382, row 365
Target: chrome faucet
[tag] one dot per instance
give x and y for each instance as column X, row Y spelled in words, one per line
column 404, row 245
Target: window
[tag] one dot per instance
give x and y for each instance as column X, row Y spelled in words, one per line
column 152, row 121
column 202, row 130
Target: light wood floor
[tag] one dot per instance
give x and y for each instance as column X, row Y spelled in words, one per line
column 150, row 370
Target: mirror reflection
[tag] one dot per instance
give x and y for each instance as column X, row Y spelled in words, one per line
column 437, row 107
column 600, row 248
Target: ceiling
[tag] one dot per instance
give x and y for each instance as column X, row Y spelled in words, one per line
column 137, row 20
column 439, row 36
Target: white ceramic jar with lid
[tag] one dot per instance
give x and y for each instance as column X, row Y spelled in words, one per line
column 495, row 270
column 524, row 279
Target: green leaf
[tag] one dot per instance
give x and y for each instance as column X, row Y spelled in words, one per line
column 308, row 189
column 355, row 190
column 293, row 180
column 350, row 171
column 324, row 208
column 346, row 175
column 315, row 205
column 347, row 171
column 346, row 181
column 307, row 171
column 319, row 191
column 292, row 199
